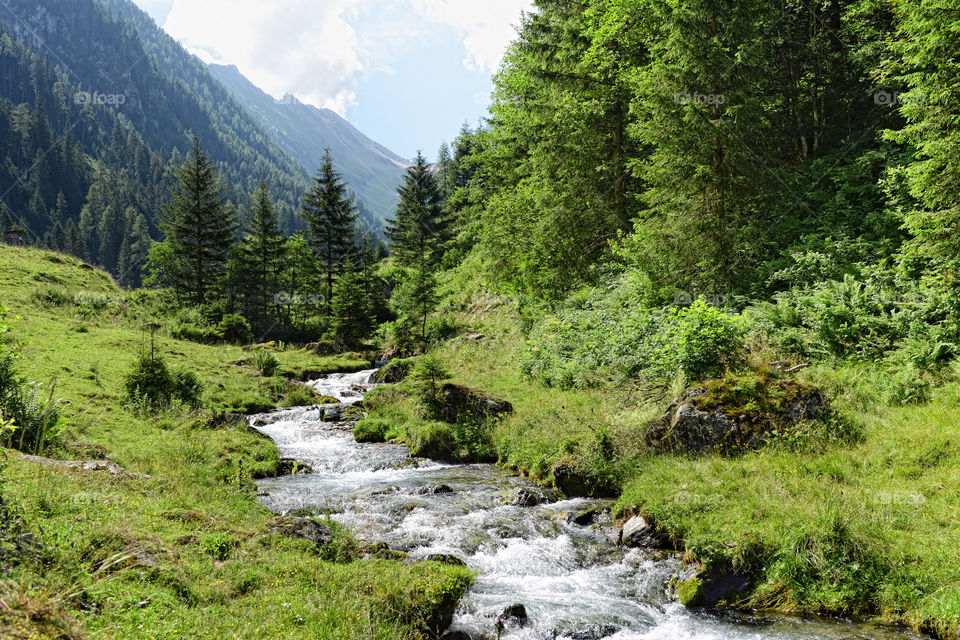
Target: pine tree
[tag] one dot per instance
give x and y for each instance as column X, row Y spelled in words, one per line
column 330, row 216
column 445, row 171
column 420, row 227
column 413, row 301
column 134, row 251
column 352, row 319
column 201, row 227
column 111, row 234
column 259, row 262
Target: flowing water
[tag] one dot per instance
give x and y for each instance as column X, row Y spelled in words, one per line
column 574, row 581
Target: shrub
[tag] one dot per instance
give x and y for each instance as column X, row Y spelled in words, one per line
column 149, row 383
column 35, row 417
column 607, row 341
column 266, row 362
column 430, row 371
column 187, row 388
column 235, row 329
column 151, row 386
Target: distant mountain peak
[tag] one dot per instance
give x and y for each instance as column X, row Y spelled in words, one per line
column 304, row 131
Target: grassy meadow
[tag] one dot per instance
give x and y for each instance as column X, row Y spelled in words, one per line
column 187, row 552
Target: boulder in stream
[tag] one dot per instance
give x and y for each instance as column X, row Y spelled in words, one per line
column 533, row 496
column 458, row 400
column 446, row 558
column 515, row 612
column 641, row 532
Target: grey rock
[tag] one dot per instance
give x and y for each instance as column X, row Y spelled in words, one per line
column 639, row 532
column 458, row 400
column 516, row 612
column 305, row 528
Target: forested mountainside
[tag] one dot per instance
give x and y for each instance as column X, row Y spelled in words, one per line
column 96, row 115
column 372, row 171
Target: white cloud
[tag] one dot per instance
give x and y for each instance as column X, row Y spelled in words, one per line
column 317, row 49
column 486, row 27
column 283, row 46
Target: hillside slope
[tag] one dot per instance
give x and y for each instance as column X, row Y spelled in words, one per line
column 189, row 547
column 303, row 131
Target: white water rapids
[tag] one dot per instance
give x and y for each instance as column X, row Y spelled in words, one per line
column 574, row 582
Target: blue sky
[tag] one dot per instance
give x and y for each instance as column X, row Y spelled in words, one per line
column 407, row 73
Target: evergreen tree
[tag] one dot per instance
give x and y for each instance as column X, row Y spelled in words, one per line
column 445, row 171
column 352, row 319
column 413, row 302
column 419, row 232
column 931, row 105
column 201, row 227
column 134, row 251
column 110, row 230
column 259, row 262
column 330, row 215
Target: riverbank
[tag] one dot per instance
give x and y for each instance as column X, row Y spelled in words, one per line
column 870, row 528
column 189, row 550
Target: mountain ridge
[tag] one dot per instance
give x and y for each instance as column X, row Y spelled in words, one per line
column 304, row 131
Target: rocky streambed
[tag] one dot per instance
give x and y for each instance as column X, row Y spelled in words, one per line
column 557, row 557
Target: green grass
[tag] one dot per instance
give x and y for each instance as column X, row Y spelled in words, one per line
column 187, row 552
column 862, row 525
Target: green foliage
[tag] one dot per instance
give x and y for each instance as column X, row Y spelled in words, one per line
column 201, row 226
column 413, row 302
column 267, row 363
column 235, row 329
column 584, row 347
column 150, row 386
column 330, row 215
column 420, row 231
column 429, row 370
column 863, row 320
column 352, row 320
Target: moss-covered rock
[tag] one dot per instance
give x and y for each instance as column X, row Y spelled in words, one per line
column 734, row 414
column 690, row 592
column 371, row 430
column 394, row 371
column 458, row 401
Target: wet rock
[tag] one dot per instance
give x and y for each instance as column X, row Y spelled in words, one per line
column 458, row 400
column 640, row 532
column 516, row 612
column 533, row 497
column 584, row 517
column 333, row 414
column 446, row 558
column 715, row 417
column 597, row 633
column 304, row 528
column 433, row 489
column 456, row 635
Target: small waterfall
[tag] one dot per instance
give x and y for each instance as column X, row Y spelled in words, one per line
column 573, row 580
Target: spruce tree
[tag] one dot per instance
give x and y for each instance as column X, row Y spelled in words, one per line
column 260, row 262
column 330, row 215
column 420, row 227
column 352, row 318
column 201, row 228
column 413, row 301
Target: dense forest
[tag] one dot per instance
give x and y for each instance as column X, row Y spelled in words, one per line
column 90, row 147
